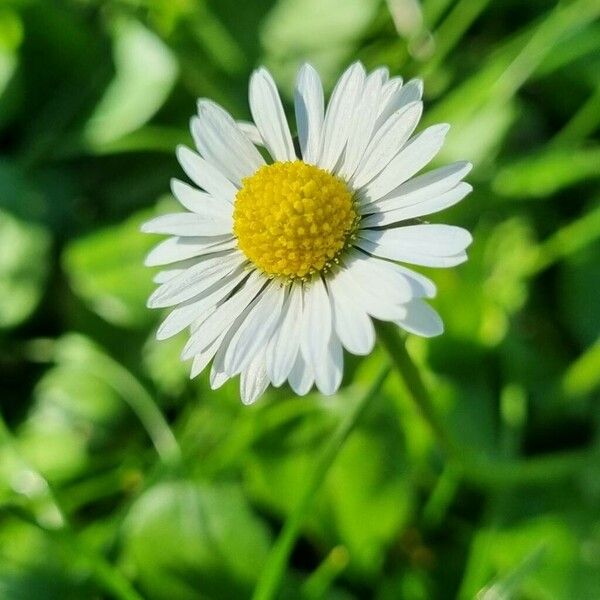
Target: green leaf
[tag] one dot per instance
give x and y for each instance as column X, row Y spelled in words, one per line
column 190, row 540
column 105, row 269
column 76, row 415
column 369, row 496
column 146, row 73
column 24, row 266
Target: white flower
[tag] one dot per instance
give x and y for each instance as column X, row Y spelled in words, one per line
column 280, row 263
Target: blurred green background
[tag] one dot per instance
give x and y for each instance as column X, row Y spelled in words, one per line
column 120, row 478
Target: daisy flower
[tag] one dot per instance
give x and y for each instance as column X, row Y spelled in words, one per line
column 285, row 255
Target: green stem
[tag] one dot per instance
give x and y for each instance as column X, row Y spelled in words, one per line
column 479, row 470
column 274, row 569
column 388, row 335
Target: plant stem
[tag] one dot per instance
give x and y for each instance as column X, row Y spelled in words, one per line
column 389, row 337
column 478, row 469
column 274, row 569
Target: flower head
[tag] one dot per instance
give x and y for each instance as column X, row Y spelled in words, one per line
column 280, row 263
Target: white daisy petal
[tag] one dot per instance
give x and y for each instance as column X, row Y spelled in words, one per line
column 175, row 249
column 267, row 112
column 384, row 73
column 421, row 320
column 186, row 313
column 399, row 97
column 209, row 223
column 217, row 377
column 427, row 207
column 352, row 325
column 172, row 272
column 301, row 377
column 381, row 275
column 202, row 359
column 390, row 87
column 254, row 333
column 222, row 143
column 422, row 287
column 196, row 200
column 410, row 160
column 363, row 121
column 218, row 373
column 329, row 371
column 422, row 188
column 338, row 122
column 224, row 316
column 309, row 107
column 254, row 380
column 366, row 296
column 284, row 344
column 316, row 322
column 439, row 240
column 251, row 131
column 387, row 142
column 204, row 175
column 426, row 245
column 195, row 280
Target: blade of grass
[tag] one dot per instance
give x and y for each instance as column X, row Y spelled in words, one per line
column 583, row 123
column 452, row 29
column 568, row 240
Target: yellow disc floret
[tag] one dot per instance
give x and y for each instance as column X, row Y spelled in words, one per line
column 292, row 219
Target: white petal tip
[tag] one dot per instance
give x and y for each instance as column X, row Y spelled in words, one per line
column 202, row 104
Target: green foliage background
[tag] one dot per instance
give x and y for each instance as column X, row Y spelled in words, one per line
column 120, row 478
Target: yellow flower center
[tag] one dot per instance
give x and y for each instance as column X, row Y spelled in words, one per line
column 292, row 219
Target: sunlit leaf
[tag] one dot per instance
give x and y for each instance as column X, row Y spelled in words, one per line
column 24, row 265
column 145, row 74
column 211, row 544
column 106, row 270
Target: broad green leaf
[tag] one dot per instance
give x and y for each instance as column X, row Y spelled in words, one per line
column 105, row 269
column 76, row 414
column 24, row 266
column 163, row 364
column 194, row 540
column 34, row 566
column 369, row 496
column 145, row 74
